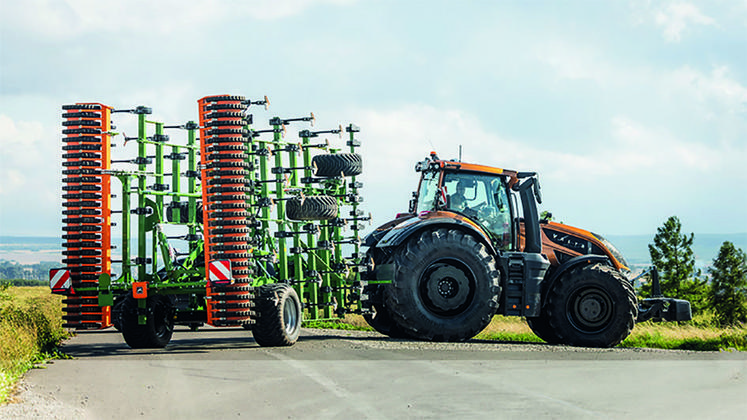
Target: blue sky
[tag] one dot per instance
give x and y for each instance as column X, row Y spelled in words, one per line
column 631, row 111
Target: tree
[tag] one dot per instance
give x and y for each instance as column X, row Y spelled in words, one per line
column 728, row 291
column 672, row 254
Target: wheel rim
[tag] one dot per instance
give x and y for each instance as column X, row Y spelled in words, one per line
column 590, row 309
column 447, row 287
column 290, row 316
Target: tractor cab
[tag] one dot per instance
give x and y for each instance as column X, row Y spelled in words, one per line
column 482, row 196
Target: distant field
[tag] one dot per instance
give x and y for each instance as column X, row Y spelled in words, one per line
column 29, row 249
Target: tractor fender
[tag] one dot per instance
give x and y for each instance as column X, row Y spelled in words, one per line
column 574, row 262
column 398, row 234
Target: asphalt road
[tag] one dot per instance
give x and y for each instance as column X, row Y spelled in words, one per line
column 223, row 374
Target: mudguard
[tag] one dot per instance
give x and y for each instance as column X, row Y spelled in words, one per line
column 569, row 265
column 399, row 233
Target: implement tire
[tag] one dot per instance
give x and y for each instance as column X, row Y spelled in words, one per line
column 280, row 316
column 592, row 306
column 320, row 207
column 158, row 328
column 446, row 286
column 338, row 164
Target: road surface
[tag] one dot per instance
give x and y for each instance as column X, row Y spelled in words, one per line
column 222, row 373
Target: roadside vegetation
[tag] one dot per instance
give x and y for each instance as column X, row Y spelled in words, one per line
column 30, row 331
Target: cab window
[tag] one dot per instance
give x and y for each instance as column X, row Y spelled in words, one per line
column 484, row 199
column 427, row 193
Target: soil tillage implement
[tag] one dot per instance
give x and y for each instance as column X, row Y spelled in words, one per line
column 257, row 220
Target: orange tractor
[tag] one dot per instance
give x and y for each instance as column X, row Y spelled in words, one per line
column 472, row 246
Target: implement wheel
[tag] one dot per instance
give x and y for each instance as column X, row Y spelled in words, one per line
column 319, row 207
column 338, row 164
column 446, row 286
column 592, row 306
column 280, row 316
column 159, row 325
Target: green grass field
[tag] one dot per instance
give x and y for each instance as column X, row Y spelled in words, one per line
column 696, row 335
column 30, row 331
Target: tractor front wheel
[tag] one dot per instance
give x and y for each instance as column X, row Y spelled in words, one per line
column 541, row 327
column 592, row 306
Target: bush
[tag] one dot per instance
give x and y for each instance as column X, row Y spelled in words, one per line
column 30, row 330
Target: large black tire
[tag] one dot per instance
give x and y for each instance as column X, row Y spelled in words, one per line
column 592, row 306
column 320, row 207
column 379, row 317
column 446, row 286
column 157, row 330
column 280, row 316
column 541, row 327
column 337, row 164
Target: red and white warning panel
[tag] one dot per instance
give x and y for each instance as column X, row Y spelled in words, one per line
column 219, row 272
column 59, row 280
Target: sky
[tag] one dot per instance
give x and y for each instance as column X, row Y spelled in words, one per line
column 630, row 111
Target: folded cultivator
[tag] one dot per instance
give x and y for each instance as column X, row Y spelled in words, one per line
column 267, row 227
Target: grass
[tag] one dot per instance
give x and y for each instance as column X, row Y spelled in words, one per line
column 30, row 331
column 695, row 335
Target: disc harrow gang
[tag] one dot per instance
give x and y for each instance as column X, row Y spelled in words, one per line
column 240, row 220
column 86, row 201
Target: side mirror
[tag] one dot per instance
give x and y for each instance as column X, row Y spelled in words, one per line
column 537, row 190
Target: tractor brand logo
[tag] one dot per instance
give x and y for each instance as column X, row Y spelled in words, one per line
column 220, row 272
column 59, row 280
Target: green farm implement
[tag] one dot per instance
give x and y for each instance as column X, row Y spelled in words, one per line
column 232, row 227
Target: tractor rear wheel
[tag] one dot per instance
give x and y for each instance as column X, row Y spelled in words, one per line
column 592, row 306
column 446, row 286
column 280, row 316
column 158, row 327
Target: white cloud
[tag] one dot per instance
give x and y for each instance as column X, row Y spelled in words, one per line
column 637, row 171
column 29, row 170
column 63, row 19
column 574, row 62
column 677, row 17
column 717, row 86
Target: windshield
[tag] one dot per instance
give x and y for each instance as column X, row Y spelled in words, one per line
column 427, row 193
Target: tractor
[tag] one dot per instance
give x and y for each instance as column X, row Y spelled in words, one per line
column 472, row 246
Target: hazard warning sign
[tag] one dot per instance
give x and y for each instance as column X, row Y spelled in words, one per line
column 219, row 272
column 59, row 280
